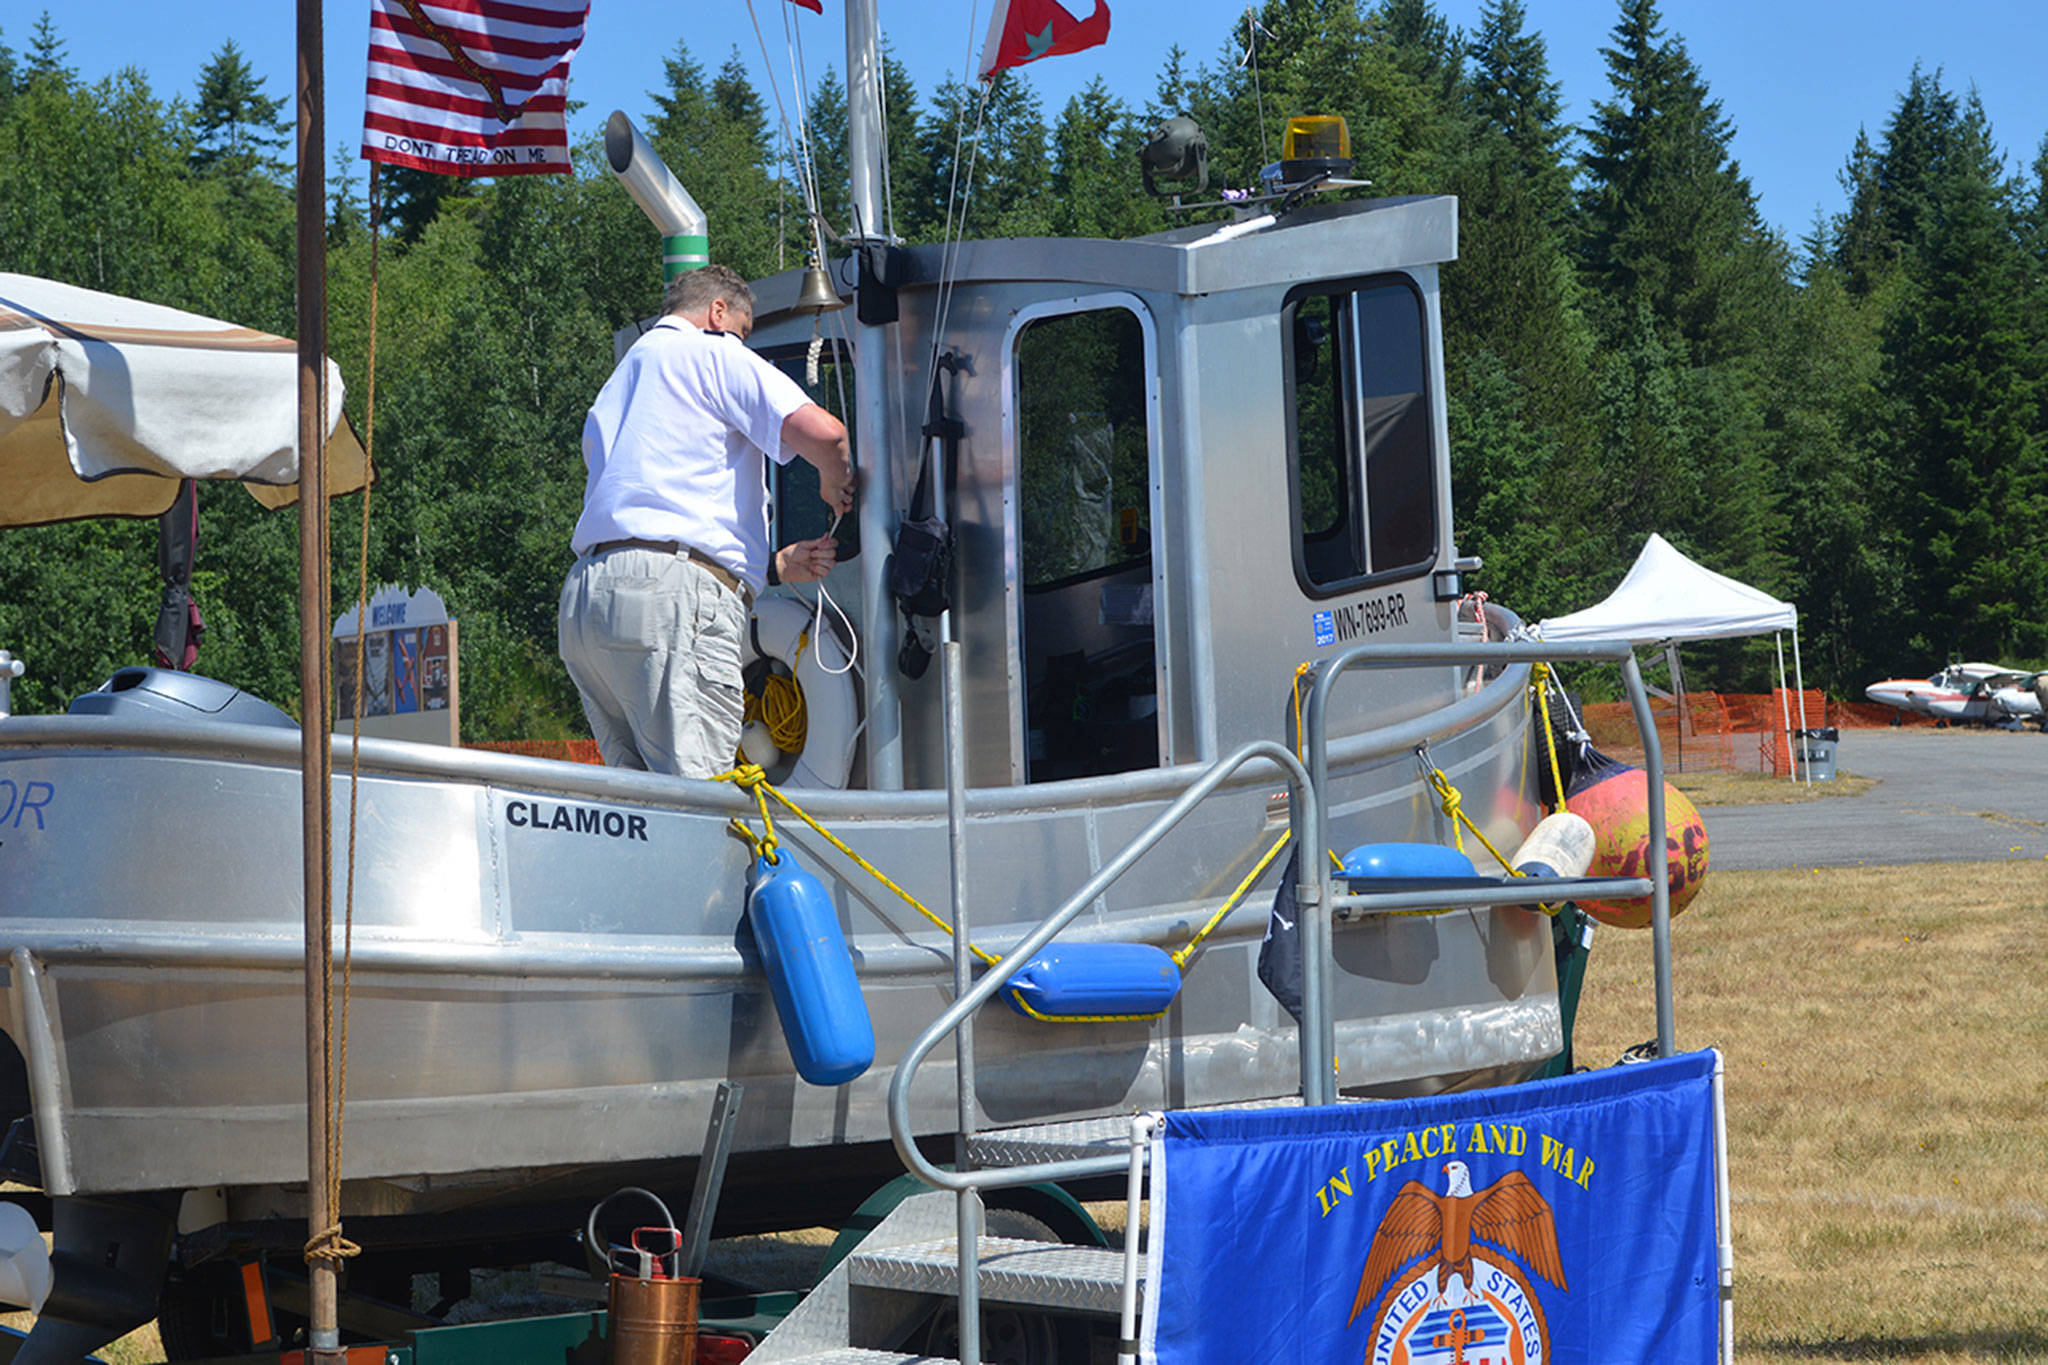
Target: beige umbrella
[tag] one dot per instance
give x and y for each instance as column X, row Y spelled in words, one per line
column 107, row 404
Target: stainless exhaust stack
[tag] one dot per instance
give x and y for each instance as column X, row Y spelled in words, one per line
column 685, row 239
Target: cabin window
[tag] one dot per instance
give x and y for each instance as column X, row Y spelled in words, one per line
column 1362, row 477
column 1084, row 544
column 797, row 511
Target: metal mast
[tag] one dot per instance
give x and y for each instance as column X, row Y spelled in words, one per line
column 871, row 343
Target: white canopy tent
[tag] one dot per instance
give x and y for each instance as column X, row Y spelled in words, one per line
column 107, row 404
column 1666, row 597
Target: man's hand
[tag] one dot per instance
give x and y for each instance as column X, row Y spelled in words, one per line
column 806, row 561
column 835, row 486
column 820, row 438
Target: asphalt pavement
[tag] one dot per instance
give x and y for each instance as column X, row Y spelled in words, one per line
column 1942, row 796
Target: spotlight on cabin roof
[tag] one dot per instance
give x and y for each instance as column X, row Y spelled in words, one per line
column 1177, row 150
column 1314, row 147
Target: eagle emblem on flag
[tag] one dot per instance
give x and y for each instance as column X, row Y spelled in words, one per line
column 1447, row 1239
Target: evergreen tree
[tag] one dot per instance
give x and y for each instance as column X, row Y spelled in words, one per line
column 827, row 125
column 234, row 122
column 714, row 137
column 10, row 78
column 413, row 199
column 1963, row 369
column 1096, row 187
column 1668, row 217
column 908, row 167
column 1512, row 93
column 1856, row 239
column 908, row 194
column 1003, row 172
column 46, row 54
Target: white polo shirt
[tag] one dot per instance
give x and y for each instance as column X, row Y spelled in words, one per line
column 674, row 442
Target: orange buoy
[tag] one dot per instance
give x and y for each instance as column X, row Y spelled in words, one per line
column 1617, row 805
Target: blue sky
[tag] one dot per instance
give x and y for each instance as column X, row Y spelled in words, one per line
column 1797, row 77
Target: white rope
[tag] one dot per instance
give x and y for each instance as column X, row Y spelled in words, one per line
column 950, row 251
column 806, row 168
column 818, row 623
column 1252, row 29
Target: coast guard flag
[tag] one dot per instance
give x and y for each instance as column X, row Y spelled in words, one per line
column 471, row 87
column 1561, row 1222
column 1021, row 31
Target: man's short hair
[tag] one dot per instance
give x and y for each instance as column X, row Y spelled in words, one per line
column 695, row 290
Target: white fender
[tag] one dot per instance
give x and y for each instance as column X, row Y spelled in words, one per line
column 1561, row 845
column 782, row 630
column 24, row 1259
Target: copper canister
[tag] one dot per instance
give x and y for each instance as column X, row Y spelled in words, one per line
column 652, row 1322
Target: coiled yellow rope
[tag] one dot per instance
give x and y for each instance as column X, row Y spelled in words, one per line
column 781, row 706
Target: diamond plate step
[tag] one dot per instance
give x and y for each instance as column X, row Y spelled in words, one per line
column 1035, row 1274
column 1072, row 1139
column 855, row 1355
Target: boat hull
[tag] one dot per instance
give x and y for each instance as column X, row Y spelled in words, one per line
column 551, row 971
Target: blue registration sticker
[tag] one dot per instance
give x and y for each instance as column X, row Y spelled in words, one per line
column 1326, row 628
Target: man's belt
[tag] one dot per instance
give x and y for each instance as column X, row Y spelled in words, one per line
column 725, row 576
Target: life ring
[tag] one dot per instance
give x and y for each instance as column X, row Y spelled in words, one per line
column 783, row 630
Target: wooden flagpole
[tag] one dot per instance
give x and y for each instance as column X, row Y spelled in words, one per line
column 315, row 755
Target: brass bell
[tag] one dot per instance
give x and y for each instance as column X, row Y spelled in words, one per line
column 817, row 295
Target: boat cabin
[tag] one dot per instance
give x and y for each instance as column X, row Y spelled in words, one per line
column 1185, row 463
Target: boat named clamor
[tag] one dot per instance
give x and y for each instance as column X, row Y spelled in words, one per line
column 1177, row 469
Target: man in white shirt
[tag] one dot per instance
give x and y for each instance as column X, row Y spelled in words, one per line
column 673, row 544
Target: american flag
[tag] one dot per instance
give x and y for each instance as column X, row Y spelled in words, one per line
column 471, row 87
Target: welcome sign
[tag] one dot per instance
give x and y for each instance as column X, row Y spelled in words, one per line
column 1566, row 1221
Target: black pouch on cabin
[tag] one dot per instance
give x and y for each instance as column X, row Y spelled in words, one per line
column 922, row 565
column 921, row 568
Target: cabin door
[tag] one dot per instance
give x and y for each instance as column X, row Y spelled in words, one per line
column 1082, row 400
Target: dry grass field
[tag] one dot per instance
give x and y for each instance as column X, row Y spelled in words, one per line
column 1759, row 789
column 1886, row 1034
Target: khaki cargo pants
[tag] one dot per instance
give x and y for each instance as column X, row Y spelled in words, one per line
column 653, row 644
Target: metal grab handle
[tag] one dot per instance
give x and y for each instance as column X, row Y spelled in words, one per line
column 1304, row 814
column 1319, row 1030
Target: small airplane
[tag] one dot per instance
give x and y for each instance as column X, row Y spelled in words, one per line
column 2022, row 698
column 1954, row 694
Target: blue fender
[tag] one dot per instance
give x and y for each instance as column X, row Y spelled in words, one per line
column 810, row 973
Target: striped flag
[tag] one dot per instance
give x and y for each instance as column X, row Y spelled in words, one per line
column 471, row 87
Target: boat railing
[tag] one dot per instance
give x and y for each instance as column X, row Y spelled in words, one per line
column 997, row 976
column 1318, row 1034
column 1309, row 822
column 1318, row 902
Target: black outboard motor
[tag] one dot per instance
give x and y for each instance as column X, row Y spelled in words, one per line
column 165, row 694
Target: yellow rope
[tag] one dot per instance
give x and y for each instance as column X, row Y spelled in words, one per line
column 1180, row 956
column 1187, row 950
column 1453, row 804
column 749, row 777
column 782, row 707
column 1540, row 676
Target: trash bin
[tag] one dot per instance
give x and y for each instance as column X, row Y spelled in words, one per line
column 1815, row 752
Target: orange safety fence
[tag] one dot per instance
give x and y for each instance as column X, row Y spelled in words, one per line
column 567, row 750
column 1731, row 731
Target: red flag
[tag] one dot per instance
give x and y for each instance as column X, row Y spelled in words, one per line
column 471, row 87
column 814, row 6
column 1022, row 31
